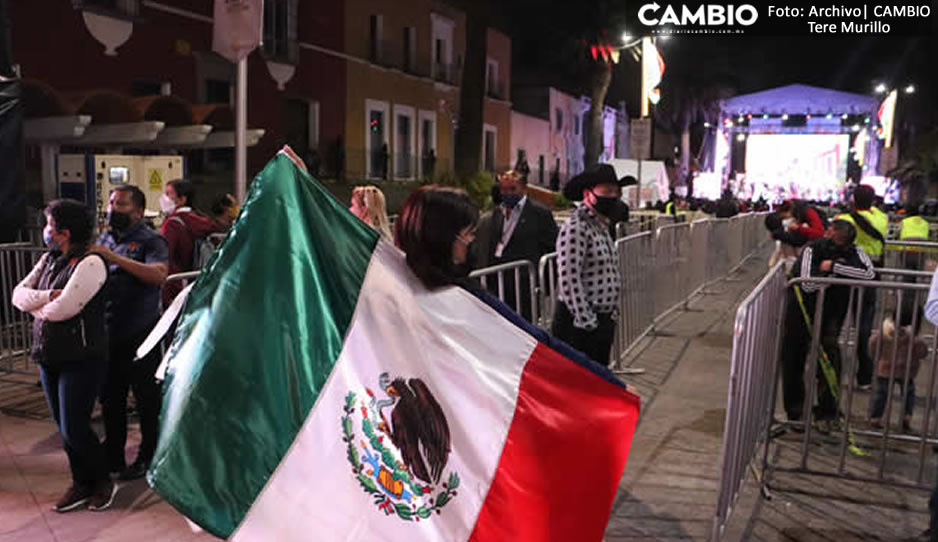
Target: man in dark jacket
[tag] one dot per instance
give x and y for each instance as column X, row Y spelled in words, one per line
column 518, row 228
column 834, row 256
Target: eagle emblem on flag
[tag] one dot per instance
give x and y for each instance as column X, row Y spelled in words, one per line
column 401, row 454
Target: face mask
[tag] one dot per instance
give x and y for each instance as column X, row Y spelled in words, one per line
column 510, row 200
column 787, row 222
column 605, row 205
column 167, row 204
column 118, row 221
column 47, row 239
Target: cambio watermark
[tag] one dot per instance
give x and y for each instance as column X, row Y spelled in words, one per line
column 706, row 15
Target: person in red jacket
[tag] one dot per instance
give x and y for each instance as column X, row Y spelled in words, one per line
column 181, row 227
column 807, row 221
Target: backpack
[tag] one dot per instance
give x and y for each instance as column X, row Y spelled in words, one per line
column 202, row 249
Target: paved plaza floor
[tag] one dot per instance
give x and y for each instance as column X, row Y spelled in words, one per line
column 668, row 492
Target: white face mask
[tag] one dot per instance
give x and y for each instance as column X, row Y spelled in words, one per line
column 167, row 204
column 787, row 222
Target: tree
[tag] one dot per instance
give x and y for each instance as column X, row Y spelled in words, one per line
column 472, row 92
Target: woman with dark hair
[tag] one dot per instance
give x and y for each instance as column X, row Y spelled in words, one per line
column 64, row 293
column 436, row 226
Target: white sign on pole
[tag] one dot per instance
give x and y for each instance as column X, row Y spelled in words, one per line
column 238, row 28
column 640, row 139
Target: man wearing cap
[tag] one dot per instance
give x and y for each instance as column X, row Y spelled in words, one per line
column 518, row 228
column 588, row 272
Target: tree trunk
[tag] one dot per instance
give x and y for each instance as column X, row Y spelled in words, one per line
column 602, row 76
column 472, row 98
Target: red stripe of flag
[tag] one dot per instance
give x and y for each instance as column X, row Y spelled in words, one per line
column 564, row 456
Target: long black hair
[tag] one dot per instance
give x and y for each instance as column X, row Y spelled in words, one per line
column 430, row 221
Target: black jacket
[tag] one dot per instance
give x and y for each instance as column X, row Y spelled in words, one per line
column 534, row 236
column 850, row 262
column 83, row 337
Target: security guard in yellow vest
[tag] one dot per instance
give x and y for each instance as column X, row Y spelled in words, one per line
column 913, row 228
column 872, row 225
column 863, row 206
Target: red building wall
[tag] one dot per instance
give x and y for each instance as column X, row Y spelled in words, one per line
column 52, row 44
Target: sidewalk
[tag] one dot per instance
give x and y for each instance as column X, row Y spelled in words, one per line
column 671, row 482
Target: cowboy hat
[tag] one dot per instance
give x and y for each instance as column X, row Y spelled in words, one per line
column 601, row 174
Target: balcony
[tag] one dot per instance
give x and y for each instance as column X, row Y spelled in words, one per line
column 444, row 73
column 495, row 90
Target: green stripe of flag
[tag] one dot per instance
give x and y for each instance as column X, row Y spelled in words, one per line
column 260, row 334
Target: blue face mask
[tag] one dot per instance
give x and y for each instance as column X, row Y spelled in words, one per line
column 47, row 239
column 510, row 200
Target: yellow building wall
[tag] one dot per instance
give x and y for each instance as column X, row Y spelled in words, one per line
column 367, row 81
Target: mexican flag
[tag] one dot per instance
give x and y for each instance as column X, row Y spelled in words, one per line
column 316, row 390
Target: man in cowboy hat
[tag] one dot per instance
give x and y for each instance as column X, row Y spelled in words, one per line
column 518, row 228
column 588, row 272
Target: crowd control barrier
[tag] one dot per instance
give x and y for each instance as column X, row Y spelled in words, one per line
column 16, row 331
column 515, row 283
column 892, row 448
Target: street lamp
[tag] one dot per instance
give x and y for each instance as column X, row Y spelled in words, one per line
column 910, row 89
column 626, row 37
column 881, row 88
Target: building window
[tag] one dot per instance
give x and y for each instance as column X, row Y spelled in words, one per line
column 375, row 39
column 492, row 84
column 405, row 160
column 113, row 8
column 558, row 119
column 410, row 49
column 376, row 139
column 576, row 124
column 427, row 143
column 488, row 148
column 280, row 41
column 141, row 87
column 442, row 53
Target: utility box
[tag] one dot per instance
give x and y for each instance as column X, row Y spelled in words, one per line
column 89, row 178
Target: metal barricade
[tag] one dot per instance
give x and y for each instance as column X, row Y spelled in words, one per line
column 547, row 291
column 718, row 262
column 637, row 312
column 913, row 255
column 756, row 339
column 16, row 336
column 671, row 259
column 699, row 254
column 519, row 292
column 844, row 443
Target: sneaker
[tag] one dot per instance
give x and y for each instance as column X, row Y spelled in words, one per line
column 103, row 496
column 73, row 498
column 135, row 471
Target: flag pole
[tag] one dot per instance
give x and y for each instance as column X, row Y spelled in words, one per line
column 241, row 113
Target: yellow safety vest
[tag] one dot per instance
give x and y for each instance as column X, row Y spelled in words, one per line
column 878, row 220
column 914, row 227
column 669, row 208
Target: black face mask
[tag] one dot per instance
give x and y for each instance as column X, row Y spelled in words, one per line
column 496, row 194
column 605, row 206
column 118, row 221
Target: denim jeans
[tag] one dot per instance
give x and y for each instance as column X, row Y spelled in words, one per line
column 881, row 393
column 71, row 395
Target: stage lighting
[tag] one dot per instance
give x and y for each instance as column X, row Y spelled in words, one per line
column 880, row 88
column 765, row 116
column 844, row 116
column 830, row 115
column 741, row 137
column 739, row 119
column 807, row 116
column 626, row 37
column 910, row 89
column 706, row 125
column 855, row 128
column 785, row 116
